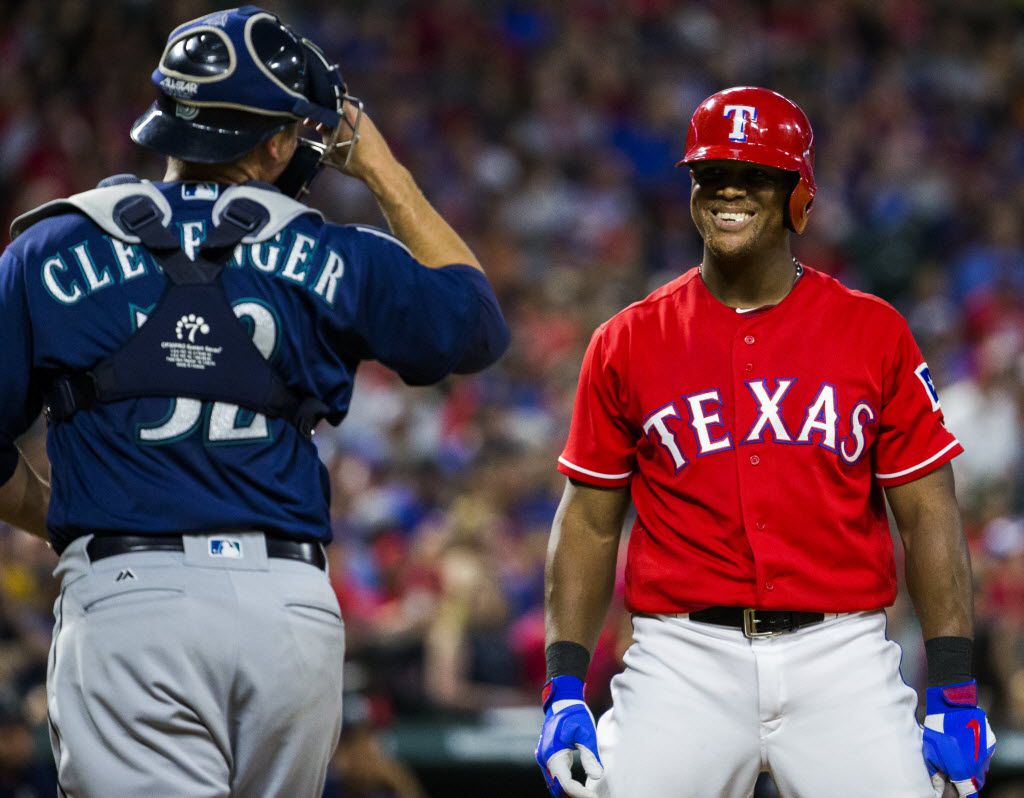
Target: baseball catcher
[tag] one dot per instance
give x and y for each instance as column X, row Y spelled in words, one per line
column 185, row 337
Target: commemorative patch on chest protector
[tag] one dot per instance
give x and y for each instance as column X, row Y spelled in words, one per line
column 187, row 351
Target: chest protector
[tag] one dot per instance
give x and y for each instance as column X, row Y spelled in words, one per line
column 192, row 344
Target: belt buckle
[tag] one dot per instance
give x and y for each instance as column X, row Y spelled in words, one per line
column 750, row 622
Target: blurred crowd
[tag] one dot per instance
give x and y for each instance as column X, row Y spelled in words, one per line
column 546, row 132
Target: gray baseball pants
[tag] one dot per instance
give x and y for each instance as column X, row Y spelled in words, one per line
column 192, row 675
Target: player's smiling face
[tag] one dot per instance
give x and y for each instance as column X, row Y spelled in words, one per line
column 738, row 206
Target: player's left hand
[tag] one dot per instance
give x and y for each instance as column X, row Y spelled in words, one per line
column 958, row 741
column 568, row 724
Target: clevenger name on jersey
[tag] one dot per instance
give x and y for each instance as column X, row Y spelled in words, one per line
column 756, row 444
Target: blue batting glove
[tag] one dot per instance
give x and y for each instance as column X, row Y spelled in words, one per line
column 958, row 742
column 568, row 724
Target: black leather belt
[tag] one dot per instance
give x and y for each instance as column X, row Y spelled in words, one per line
column 110, row 545
column 757, row 623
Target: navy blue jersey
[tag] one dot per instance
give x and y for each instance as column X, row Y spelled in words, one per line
column 317, row 299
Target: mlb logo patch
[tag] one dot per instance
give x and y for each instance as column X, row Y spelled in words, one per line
column 229, row 548
column 200, row 191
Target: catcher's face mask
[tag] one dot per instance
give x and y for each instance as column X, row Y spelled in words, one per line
column 232, row 79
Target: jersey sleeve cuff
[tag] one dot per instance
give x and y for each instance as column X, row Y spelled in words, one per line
column 591, row 477
column 940, row 458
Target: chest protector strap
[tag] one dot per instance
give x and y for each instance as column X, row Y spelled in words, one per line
column 192, row 344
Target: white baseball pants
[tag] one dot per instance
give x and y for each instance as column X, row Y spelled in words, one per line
column 701, row 710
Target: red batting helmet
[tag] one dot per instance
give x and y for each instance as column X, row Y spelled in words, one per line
column 747, row 123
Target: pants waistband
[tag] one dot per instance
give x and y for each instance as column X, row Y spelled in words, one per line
column 102, row 546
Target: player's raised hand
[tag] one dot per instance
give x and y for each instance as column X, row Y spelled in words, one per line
column 958, row 741
column 366, row 155
column 568, row 725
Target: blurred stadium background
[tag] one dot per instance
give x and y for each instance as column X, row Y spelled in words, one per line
column 546, row 133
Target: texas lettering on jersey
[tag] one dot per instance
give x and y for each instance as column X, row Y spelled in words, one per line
column 755, row 445
column 818, row 422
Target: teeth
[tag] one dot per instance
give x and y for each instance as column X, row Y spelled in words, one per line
column 730, row 216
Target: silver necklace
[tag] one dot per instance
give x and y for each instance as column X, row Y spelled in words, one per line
column 797, row 266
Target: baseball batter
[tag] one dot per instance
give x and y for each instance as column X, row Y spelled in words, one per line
column 185, row 337
column 759, row 415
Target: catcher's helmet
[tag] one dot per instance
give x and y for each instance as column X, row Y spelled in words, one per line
column 232, row 79
column 747, row 123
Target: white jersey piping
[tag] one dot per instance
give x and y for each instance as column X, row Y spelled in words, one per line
column 922, row 464
column 590, row 473
column 381, row 234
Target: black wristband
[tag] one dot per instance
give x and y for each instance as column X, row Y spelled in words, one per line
column 949, row 660
column 566, row 658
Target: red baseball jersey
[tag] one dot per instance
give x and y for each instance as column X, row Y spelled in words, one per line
column 756, row 444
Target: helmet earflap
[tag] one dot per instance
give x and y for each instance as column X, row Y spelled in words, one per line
column 800, row 201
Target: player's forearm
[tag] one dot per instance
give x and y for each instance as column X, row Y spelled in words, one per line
column 938, row 570
column 580, row 572
column 411, row 217
column 579, row 580
column 414, row 221
column 938, row 565
column 24, row 499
